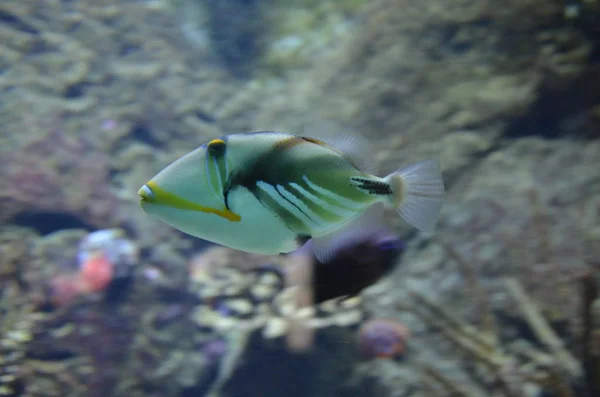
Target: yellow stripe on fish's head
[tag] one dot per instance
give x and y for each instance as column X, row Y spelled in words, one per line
column 152, row 194
column 183, row 194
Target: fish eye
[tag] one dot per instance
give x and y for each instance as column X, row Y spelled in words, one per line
column 216, row 147
column 146, row 194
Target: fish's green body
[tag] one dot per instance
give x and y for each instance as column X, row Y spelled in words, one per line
column 265, row 192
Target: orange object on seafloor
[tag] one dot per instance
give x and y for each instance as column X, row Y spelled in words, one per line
column 96, row 273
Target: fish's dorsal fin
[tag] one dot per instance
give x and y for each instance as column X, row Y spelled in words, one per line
column 354, row 147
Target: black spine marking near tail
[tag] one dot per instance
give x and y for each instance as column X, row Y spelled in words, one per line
column 378, row 188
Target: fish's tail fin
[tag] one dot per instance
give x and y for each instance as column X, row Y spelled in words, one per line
column 418, row 193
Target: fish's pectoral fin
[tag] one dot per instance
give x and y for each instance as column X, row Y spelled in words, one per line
column 352, row 146
column 357, row 230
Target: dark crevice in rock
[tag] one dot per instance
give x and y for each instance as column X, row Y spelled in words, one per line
column 587, row 22
column 16, row 23
column 455, row 39
column 53, row 356
column 141, row 132
column 564, row 110
column 559, row 113
column 48, row 222
column 75, row 90
column 206, row 117
column 128, row 49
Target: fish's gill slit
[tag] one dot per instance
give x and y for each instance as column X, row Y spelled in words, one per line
column 209, row 175
column 287, row 212
column 337, row 199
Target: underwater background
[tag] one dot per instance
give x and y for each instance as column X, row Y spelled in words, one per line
column 98, row 299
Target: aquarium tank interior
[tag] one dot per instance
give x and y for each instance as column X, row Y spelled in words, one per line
column 300, row 198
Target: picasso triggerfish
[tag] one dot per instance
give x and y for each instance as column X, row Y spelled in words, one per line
column 269, row 192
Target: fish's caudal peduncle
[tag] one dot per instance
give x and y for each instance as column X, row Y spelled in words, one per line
column 418, row 193
column 396, row 185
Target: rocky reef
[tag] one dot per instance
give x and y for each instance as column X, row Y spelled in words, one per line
column 99, row 95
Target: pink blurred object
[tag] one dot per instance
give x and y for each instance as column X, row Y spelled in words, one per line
column 95, row 273
column 103, row 255
column 382, row 338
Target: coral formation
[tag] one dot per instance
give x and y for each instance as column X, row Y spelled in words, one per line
column 17, row 321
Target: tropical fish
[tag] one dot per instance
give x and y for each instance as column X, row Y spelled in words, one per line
column 269, row 192
column 355, row 267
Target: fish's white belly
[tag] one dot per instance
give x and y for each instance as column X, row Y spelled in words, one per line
column 259, row 230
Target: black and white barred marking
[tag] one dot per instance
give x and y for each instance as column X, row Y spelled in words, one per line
column 303, row 206
column 373, row 187
column 306, row 206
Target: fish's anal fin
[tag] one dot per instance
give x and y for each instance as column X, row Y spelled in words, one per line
column 357, row 230
column 352, row 146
